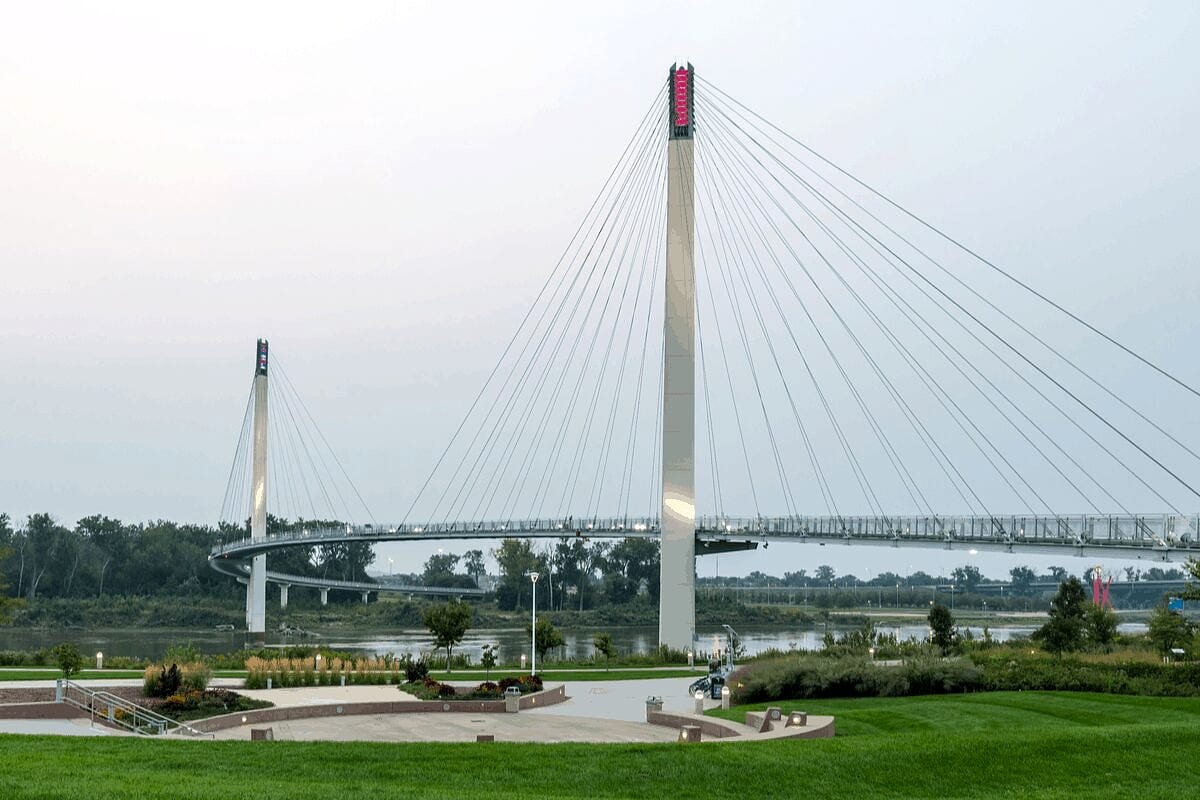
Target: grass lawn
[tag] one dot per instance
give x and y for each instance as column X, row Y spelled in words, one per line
column 1008, row 745
column 1001, row 713
column 50, row 673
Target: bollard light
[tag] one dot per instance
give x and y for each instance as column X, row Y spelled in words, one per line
column 99, row 660
column 691, row 659
column 726, row 697
column 699, row 702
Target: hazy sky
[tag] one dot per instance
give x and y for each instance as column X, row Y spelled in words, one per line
column 380, row 188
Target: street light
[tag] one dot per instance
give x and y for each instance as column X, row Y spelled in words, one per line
column 533, row 576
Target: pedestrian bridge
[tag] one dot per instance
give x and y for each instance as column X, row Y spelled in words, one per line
column 1158, row 537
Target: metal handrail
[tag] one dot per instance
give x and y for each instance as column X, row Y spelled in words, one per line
column 1153, row 532
column 122, row 712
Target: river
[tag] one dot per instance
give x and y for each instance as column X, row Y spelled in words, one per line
column 512, row 642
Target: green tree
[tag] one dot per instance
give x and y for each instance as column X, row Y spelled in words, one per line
column 1192, row 567
column 473, row 563
column 547, row 638
column 487, row 660
column 68, row 658
column 941, row 626
column 967, row 576
column 1169, row 630
column 7, row 604
column 1022, row 579
column 824, row 574
column 1064, row 631
column 605, row 647
column 1100, row 627
column 516, row 559
column 448, row 624
column 629, row 565
column 439, row 569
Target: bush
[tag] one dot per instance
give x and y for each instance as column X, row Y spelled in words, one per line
column 851, row 676
column 67, row 658
column 188, row 705
column 487, row 689
column 195, row 676
column 430, row 689
column 182, row 654
column 160, row 680
column 526, row 683
column 1016, row 673
column 415, row 669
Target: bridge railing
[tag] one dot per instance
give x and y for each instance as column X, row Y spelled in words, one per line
column 1148, row 531
column 567, row 526
column 1140, row 530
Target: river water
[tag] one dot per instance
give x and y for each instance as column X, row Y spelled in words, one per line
column 512, row 642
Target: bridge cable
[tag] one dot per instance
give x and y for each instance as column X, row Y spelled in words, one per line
column 922, row 432
column 902, row 304
column 961, row 246
column 232, row 484
column 642, row 181
column 735, row 303
column 739, row 231
column 656, row 104
column 612, row 203
column 1048, row 377
column 888, row 334
column 865, row 484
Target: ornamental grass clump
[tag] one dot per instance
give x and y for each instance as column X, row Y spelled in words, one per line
column 289, row 672
column 160, row 680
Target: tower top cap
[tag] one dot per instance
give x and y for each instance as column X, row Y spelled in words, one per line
column 260, row 357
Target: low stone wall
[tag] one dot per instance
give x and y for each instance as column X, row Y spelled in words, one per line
column 546, row 697
column 50, row 710
column 710, row 727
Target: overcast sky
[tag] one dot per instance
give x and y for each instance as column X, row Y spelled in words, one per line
column 380, row 189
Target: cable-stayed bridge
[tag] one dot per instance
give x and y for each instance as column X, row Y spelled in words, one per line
column 738, row 318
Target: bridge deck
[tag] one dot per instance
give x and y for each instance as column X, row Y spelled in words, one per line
column 1164, row 537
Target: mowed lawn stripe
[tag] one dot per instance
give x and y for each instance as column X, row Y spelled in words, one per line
column 965, row 748
column 986, row 711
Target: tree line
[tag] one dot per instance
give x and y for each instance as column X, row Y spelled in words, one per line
column 100, row 556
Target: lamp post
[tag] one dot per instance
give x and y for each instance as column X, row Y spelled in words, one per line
column 533, row 577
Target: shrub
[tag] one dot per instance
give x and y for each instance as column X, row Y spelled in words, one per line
column 67, row 658
column 487, row 689
column 851, row 676
column 182, row 654
column 161, row 681
column 415, row 669
column 1016, row 673
column 526, row 683
column 195, row 675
